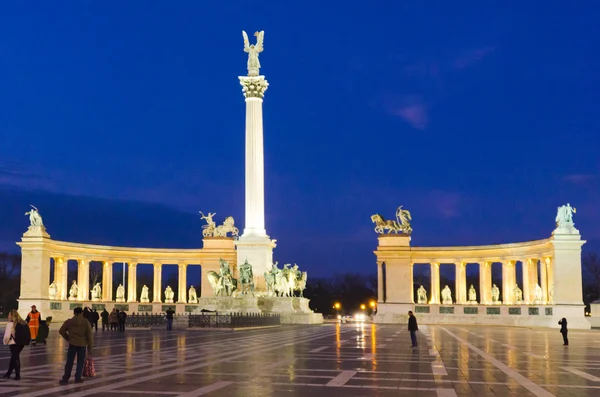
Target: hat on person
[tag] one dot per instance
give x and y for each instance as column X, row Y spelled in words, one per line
column 78, row 310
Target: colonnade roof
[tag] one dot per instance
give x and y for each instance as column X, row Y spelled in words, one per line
column 468, row 254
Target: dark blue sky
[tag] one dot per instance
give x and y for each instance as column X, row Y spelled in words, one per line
column 120, row 120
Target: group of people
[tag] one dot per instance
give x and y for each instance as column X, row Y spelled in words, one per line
column 113, row 321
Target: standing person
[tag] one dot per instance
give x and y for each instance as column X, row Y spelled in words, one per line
column 564, row 331
column 16, row 336
column 412, row 328
column 113, row 318
column 33, row 320
column 122, row 316
column 78, row 332
column 170, row 313
column 104, row 316
column 95, row 317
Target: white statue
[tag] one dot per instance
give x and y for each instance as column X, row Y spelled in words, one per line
column 209, row 228
column 253, row 51
column 495, row 294
column 73, row 291
column 169, row 295
column 120, row 293
column 35, row 219
column 446, row 296
column 538, row 294
column 401, row 224
column 52, row 291
column 421, row 295
column 472, row 295
column 97, row 292
column 144, row 295
column 518, row 294
column 564, row 215
column 228, row 226
column 193, row 298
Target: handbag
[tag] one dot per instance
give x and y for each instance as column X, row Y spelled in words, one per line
column 89, row 370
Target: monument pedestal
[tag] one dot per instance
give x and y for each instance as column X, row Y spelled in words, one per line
column 291, row 310
column 258, row 250
column 227, row 304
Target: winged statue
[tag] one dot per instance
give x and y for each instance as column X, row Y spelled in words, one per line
column 253, row 50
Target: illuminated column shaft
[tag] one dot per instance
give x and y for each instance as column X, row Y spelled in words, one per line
column 254, row 88
column 156, row 298
column 132, row 283
column 83, row 279
column 435, row 283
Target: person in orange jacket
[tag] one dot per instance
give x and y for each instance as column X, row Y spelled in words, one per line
column 33, row 319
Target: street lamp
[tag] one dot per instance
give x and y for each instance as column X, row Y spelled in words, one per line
column 337, row 307
column 372, row 304
column 363, row 306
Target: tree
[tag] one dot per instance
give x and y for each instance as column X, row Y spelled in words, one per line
column 10, row 266
column 591, row 270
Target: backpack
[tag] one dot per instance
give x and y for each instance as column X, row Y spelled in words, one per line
column 22, row 334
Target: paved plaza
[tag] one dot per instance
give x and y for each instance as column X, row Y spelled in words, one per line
column 327, row 360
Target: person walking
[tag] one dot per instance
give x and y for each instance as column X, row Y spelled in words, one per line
column 104, row 316
column 564, row 331
column 78, row 332
column 33, row 320
column 412, row 328
column 170, row 313
column 16, row 336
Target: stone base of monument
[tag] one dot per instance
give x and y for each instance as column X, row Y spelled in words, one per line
column 292, row 310
column 227, row 304
column 502, row 315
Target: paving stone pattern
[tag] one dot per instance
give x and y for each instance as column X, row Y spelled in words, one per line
column 328, row 360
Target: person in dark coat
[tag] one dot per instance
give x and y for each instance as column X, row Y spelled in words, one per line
column 122, row 316
column 95, row 317
column 104, row 316
column 564, row 331
column 412, row 328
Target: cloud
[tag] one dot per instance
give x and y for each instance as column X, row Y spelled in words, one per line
column 471, row 57
column 446, row 204
column 414, row 114
column 579, row 179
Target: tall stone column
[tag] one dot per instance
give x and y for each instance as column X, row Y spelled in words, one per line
column 435, row 283
column 534, row 277
column 60, row 278
column 460, row 284
column 157, row 294
column 380, row 282
column 545, row 276
column 182, row 283
column 107, row 281
column 485, row 283
column 526, row 264
column 255, row 245
column 509, row 279
column 132, row 283
column 83, row 279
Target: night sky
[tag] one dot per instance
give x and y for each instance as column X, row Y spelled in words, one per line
column 120, row 120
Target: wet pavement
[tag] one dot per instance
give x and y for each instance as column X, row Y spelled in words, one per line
column 327, row 360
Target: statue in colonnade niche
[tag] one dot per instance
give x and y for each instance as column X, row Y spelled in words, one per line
column 421, row 295
column 401, row 224
column 446, row 296
column 120, row 293
column 472, row 295
column 97, row 292
column 192, row 296
column 52, row 291
column 144, row 295
column 518, row 294
column 538, row 294
column 73, row 291
column 169, row 294
column 35, row 219
column 495, row 294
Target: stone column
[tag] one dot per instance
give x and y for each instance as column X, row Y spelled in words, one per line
column 83, row 279
column 60, row 278
column 132, row 283
column 534, row 276
column 509, row 279
column 460, row 283
column 435, row 283
column 380, row 282
column 544, row 279
column 182, row 283
column 485, row 283
column 157, row 294
column 526, row 264
column 107, row 281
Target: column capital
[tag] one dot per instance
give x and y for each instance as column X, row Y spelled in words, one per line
column 460, row 263
column 157, row 265
column 435, row 264
column 253, row 86
column 59, row 259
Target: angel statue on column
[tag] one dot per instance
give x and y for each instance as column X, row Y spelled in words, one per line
column 253, row 51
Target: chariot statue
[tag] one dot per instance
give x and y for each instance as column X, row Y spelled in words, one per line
column 169, row 294
column 209, row 228
column 120, row 293
column 96, row 292
column 144, row 295
column 472, row 295
column 222, row 283
column 518, row 294
column 253, row 50
column 35, row 219
column 228, row 226
column 495, row 294
column 446, row 296
column 52, row 291
column 192, row 296
column 246, row 278
column 73, row 291
column 422, row 295
column 400, row 225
